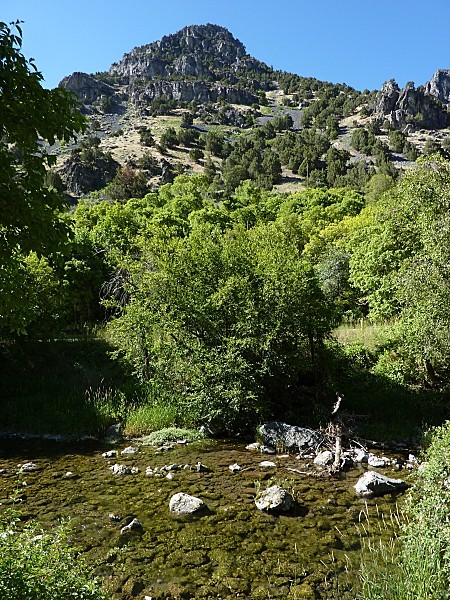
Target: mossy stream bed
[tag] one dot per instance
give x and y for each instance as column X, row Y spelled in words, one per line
column 232, row 550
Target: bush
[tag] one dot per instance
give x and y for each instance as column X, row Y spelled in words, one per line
column 36, row 565
column 173, row 434
column 146, row 137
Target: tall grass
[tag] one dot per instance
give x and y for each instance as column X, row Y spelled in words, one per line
column 415, row 564
column 150, row 417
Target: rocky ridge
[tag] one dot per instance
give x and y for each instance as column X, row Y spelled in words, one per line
column 422, row 107
column 200, row 62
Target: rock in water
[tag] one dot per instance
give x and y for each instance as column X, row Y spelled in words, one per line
column 123, row 470
column 130, row 450
column 184, row 504
column 114, row 433
column 324, row 458
column 110, row 454
column 289, row 436
column 27, row 467
column 375, row 484
column 134, row 525
column 274, row 498
column 201, row 468
column 235, row 467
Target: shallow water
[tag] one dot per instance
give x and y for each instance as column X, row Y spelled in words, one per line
column 232, row 550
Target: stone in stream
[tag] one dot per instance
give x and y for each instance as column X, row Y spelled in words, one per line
column 130, row 450
column 114, row 433
column 324, row 458
column 184, row 504
column 123, row 470
column 110, row 454
column 129, row 532
column 377, row 461
column 277, row 433
column 135, row 525
column 275, row 498
column 27, row 467
column 376, row 484
column 267, row 450
column 235, row 467
column 201, row 468
column 253, row 446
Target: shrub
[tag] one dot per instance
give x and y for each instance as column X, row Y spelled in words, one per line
column 173, row 434
column 37, row 565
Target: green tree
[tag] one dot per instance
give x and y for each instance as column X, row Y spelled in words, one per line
column 223, row 319
column 30, row 210
column 169, row 138
column 146, row 137
column 400, row 261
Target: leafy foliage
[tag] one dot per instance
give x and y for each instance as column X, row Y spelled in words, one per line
column 40, row 565
column 29, row 208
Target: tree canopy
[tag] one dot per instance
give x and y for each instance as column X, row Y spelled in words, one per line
column 32, row 118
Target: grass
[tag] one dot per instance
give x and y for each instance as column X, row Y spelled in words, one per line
column 75, row 388
column 150, row 417
column 415, row 562
column 62, row 387
column 172, row 434
column 367, row 334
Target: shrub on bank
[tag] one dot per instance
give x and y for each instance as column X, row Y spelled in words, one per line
column 42, row 566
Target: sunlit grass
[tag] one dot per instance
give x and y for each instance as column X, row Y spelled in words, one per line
column 368, row 334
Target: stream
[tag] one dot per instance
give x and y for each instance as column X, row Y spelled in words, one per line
column 231, row 550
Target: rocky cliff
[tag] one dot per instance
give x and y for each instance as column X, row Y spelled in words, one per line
column 87, row 87
column 202, row 62
column 439, row 86
column 199, row 51
column 412, row 106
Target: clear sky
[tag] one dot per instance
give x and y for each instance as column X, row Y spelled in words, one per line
column 361, row 43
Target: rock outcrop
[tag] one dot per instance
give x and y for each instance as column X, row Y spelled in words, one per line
column 275, row 498
column 201, row 62
column 187, row 91
column 86, row 87
column 82, row 176
column 439, row 86
column 184, row 504
column 411, row 106
column 375, row 484
column 199, row 51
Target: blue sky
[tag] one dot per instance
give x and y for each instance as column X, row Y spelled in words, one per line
column 360, row 43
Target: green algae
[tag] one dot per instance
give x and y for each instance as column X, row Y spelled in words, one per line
column 232, row 550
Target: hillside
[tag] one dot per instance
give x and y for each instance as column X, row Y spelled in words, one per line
column 180, row 104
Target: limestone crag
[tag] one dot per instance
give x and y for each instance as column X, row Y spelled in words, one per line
column 87, row 88
column 187, row 91
column 411, row 106
column 201, row 62
column 439, row 86
column 194, row 51
column 81, row 177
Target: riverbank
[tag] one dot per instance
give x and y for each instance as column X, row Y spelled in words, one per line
column 74, row 388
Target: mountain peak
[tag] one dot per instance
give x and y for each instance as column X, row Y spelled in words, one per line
column 205, row 51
